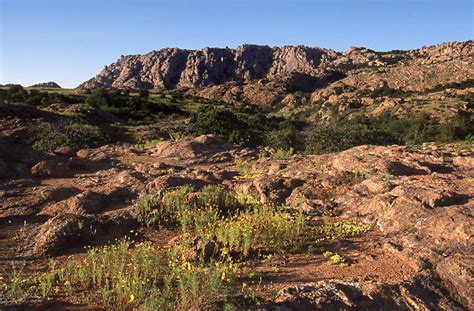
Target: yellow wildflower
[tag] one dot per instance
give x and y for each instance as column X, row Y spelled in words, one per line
column 132, row 298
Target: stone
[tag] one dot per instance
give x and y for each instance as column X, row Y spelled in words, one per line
column 192, row 148
column 64, row 151
column 51, row 168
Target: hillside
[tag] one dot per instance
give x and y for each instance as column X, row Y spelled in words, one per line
column 50, row 84
column 299, row 79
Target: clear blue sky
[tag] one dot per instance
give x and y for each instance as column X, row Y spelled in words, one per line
column 69, row 41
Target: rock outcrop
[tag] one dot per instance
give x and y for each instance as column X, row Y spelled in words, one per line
column 171, row 68
column 417, row 200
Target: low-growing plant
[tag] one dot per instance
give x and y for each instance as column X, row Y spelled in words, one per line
column 177, row 135
column 126, row 276
column 263, row 227
column 276, row 153
column 13, row 285
column 341, row 229
column 245, row 170
column 334, row 258
column 239, row 223
column 218, row 197
column 283, row 153
column 174, row 206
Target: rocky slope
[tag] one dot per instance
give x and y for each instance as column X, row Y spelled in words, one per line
column 264, row 76
column 175, row 68
column 418, row 201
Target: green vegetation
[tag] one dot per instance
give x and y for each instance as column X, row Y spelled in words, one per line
column 220, row 232
column 334, row 258
column 339, row 135
column 276, row 153
column 49, row 136
column 238, row 224
column 235, row 127
column 341, row 229
column 34, row 97
column 385, row 90
column 245, row 170
column 454, row 85
column 123, row 105
column 127, row 275
column 143, row 113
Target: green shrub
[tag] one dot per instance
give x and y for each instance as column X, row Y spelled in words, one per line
column 85, row 135
column 261, row 227
column 52, row 141
column 77, row 136
column 238, row 128
column 334, row 258
column 124, row 105
column 283, row 138
column 340, row 135
column 245, row 170
column 163, row 209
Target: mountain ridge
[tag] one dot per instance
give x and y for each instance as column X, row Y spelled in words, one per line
column 171, row 68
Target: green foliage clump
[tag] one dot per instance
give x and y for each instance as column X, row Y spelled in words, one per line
column 339, row 135
column 124, row 105
column 245, row 170
column 344, row 134
column 334, row 258
column 49, row 137
column 385, row 90
column 170, row 207
column 225, row 201
column 342, row 229
column 235, row 127
column 262, row 227
column 163, row 209
column 17, row 94
column 285, row 137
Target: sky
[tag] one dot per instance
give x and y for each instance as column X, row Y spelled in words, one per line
column 70, row 41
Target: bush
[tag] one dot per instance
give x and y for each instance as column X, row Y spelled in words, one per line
column 340, row 135
column 85, row 136
column 408, row 130
column 120, row 103
column 285, row 137
column 235, row 127
column 17, row 94
column 49, row 137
